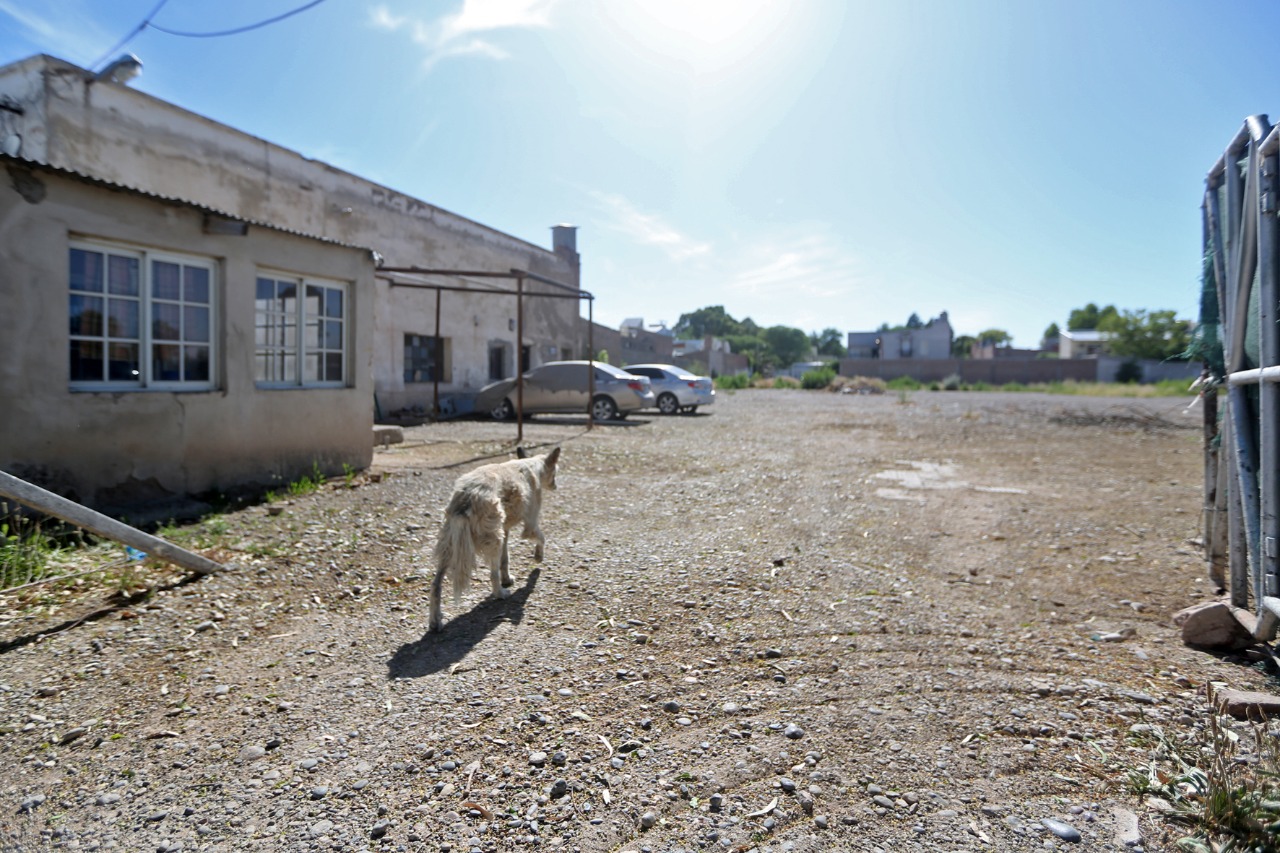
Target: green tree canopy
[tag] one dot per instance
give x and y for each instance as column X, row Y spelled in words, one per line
column 1093, row 317
column 829, row 341
column 995, row 337
column 914, row 321
column 712, row 320
column 1051, row 331
column 962, row 346
column 1148, row 334
column 789, row 345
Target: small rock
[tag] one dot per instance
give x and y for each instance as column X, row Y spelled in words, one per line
column 252, row 753
column 648, row 820
column 537, row 759
column 793, row 731
column 1065, row 831
column 320, row 827
column 379, row 829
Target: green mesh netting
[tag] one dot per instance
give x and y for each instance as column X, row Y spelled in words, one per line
column 1206, row 340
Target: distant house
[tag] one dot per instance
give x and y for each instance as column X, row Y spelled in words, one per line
column 1082, row 343
column 932, row 340
column 709, row 356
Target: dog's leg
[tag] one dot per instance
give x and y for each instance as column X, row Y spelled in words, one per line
column 507, row 582
column 496, row 557
column 436, row 621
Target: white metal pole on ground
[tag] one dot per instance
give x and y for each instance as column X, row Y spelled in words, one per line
column 153, row 546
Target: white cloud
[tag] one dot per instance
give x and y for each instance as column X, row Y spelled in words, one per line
column 647, row 229
column 465, row 32
column 809, row 266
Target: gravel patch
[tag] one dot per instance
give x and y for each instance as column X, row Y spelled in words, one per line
column 794, row 621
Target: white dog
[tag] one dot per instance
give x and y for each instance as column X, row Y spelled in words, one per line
column 485, row 505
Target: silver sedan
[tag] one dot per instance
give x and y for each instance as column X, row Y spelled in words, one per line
column 560, row 387
column 676, row 389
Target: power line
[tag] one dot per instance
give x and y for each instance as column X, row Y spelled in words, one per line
column 132, row 35
column 147, row 22
column 237, row 30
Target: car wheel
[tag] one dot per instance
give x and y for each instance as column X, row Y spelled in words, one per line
column 668, row 404
column 603, row 408
column 504, row 411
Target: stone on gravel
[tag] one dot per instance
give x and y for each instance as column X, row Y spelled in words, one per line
column 1212, row 625
column 1063, row 830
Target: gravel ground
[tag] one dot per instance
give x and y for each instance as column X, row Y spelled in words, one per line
column 795, row 621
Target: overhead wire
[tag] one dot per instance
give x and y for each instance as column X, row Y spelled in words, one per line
column 148, row 23
column 237, row 30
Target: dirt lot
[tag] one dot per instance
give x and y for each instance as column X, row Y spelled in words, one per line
column 797, row 621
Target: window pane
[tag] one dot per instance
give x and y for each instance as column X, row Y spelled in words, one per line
column 288, row 293
column 124, row 364
column 86, row 270
column 122, row 318
column 315, row 296
column 333, row 302
column 196, row 363
column 166, row 363
column 266, row 290
column 195, row 285
column 195, row 324
column 312, row 338
column 86, row 361
column 122, row 276
column 333, row 334
column 311, row 368
column 86, row 315
column 333, row 367
column 290, row 371
column 165, row 321
column 164, row 280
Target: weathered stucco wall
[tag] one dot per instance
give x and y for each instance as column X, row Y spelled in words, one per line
column 126, row 449
column 128, row 137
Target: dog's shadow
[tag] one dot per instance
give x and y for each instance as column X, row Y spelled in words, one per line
column 435, row 652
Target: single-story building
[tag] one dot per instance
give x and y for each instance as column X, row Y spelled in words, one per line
column 266, row 304
column 55, row 112
column 153, row 349
column 1082, row 343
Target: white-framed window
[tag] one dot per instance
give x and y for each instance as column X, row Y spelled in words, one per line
column 300, row 332
column 140, row 319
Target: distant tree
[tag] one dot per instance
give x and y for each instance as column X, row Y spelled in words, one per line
column 1148, row 334
column 914, row 321
column 829, row 342
column 712, row 320
column 962, row 346
column 788, row 344
column 1051, row 331
column 1092, row 317
column 995, row 337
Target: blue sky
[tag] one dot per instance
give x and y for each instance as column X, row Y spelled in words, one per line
column 810, row 163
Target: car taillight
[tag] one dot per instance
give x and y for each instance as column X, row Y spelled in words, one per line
column 693, row 384
column 636, row 386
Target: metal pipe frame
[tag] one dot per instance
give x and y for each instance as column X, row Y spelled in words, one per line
column 1248, row 246
column 576, row 293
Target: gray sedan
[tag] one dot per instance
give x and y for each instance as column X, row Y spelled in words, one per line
column 676, row 389
column 561, row 387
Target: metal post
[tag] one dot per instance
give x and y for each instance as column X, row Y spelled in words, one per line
column 95, row 522
column 439, row 359
column 1268, row 391
column 591, row 365
column 519, row 360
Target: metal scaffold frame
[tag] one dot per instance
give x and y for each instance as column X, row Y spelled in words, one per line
column 1242, row 453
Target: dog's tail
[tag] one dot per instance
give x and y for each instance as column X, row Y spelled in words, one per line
column 455, row 556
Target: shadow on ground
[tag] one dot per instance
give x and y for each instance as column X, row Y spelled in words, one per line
column 435, row 652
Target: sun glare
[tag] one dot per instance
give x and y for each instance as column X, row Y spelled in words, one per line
column 704, row 33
